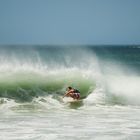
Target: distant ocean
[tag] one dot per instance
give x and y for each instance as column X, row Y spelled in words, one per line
column 34, row 78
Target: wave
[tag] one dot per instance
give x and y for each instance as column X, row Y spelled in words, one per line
column 41, row 75
column 24, row 86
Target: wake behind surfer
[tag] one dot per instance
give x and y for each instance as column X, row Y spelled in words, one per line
column 73, row 93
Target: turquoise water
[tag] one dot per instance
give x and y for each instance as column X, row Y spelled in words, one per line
column 33, row 80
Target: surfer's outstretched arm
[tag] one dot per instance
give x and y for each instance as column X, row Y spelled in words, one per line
column 69, row 92
column 66, row 94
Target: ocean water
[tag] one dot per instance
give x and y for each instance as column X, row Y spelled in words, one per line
column 33, row 80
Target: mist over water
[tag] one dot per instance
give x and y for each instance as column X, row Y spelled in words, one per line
column 33, row 80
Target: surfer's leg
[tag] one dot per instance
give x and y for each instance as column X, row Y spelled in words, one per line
column 77, row 96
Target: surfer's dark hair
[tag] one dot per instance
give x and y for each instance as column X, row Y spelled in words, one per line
column 69, row 87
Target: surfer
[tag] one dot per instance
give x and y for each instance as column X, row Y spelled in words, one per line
column 73, row 93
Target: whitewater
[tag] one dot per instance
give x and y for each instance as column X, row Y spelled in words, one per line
column 33, row 80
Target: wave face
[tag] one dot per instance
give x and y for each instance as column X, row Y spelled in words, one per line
column 104, row 75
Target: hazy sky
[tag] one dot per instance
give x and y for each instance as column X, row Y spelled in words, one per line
column 69, row 21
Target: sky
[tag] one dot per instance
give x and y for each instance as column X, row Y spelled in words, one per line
column 88, row 22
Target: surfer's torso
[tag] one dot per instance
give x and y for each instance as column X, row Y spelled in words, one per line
column 74, row 93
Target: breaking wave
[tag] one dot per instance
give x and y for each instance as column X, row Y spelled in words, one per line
column 41, row 75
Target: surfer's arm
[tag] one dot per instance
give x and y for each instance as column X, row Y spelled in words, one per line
column 67, row 93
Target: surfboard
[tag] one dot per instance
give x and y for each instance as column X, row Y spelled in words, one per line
column 75, row 101
column 71, row 100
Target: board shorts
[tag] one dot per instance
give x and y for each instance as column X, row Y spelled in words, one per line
column 76, row 95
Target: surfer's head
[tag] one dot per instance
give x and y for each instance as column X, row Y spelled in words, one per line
column 69, row 88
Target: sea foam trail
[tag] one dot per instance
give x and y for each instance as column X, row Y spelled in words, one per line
column 124, row 86
column 117, row 84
